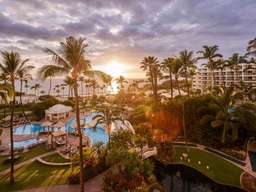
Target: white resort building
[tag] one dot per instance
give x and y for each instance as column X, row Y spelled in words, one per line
column 227, row 76
column 58, row 112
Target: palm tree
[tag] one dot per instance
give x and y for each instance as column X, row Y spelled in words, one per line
column 248, row 91
column 177, row 70
column 47, row 72
column 23, row 76
column 109, row 115
column 234, row 63
column 226, row 118
column 81, row 79
column 188, row 63
column 36, row 87
column 167, row 66
column 152, row 67
column 221, row 64
column 10, row 66
column 93, row 84
column 4, row 78
column 70, row 83
column 121, row 81
column 71, row 60
column 63, row 87
column 57, row 89
column 209, row 53
column 107, row 80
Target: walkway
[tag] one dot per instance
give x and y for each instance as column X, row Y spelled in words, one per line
column 93, row 185
column 17, row 166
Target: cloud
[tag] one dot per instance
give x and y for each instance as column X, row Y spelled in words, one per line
column 122, row 28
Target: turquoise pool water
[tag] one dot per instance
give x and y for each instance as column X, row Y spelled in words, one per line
column 96, row 135
column 28, row 129
column 25, row 143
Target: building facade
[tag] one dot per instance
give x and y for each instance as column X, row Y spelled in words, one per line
column 227, row 76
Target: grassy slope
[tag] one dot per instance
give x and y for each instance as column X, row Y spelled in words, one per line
column 55, row 158
column 221, row 170
column 37, row 175
column 38, row 150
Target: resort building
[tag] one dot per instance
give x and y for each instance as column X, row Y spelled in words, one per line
column 58, row 112
column 227, row 76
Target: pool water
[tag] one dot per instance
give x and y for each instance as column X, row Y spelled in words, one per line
column 96, row 135
column 25, row 143
column 28, row 129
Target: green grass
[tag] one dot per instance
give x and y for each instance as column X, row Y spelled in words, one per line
column 38, row 150
column 37, row 175
column 55, row 158
column 220, row 170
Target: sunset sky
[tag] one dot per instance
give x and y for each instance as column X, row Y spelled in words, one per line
column 121, row 32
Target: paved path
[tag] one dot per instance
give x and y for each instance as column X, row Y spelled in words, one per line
column 93, row 185
column 7, row 171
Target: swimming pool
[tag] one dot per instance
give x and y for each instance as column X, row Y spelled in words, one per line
column 25, row 143
column 28, row 129
column 96, row 135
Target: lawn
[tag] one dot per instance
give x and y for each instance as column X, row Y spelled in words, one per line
column 220, row 170
column 55, row 158
column 38, row 150
column 37, row 175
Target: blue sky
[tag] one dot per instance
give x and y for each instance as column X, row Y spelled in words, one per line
column 126, row 31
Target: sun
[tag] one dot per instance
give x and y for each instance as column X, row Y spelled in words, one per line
column 115, row 68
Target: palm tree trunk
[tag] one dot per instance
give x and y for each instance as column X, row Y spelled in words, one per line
column 21, row 82
column 50, row 86
column 171, row 84
column 82, row 90
column 80, row 138
column 11, row 134
column 178, row 85
column 186, row 78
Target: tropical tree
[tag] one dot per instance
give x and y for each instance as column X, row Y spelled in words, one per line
column 168, row 66
column 106, row 115
column 153, row 72
column 47, row 72
column 177, row 71
column 210, row 54
column 248, row 91
column 36, row 87
column 234, row 63
column 81, row 79
column 121, row 81
column 70, row 83
column 94, row 85
column 4, row 79
column 10, row 66
column 221, row 64
column 23, row 76
column 187, row 61
column 227, row 115
column 71, row 60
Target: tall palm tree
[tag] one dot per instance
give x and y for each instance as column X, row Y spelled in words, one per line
column 81, row 79
column 23, row 76
column 221, row 64
column 47, row 72
column 188, row 63
column 167, row 66
column 177, row 71
column 121, row 81
column 10, row 66
column 210, row 54
column 63, row 87
column 70, row 83
column 234, row 63
column 36, row 87
column 227, row 116
column 152, row 67
column 4, row 79
column 71, row 60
